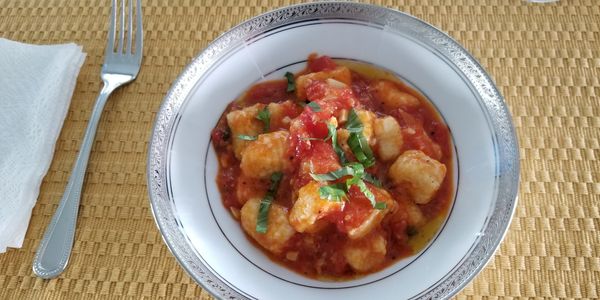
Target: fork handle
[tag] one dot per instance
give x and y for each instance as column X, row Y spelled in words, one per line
column 52, row 256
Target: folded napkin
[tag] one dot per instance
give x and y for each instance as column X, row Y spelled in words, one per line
column 36, row 85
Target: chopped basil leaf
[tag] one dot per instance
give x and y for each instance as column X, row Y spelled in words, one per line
column 275, row 180
column 246, row 137
column 331, row 132
column 380, row 205
column 351, row 181
column 334, row 192
column 366, row 191
column 359, row 170
column 263, row 214
column 265, row 116
column 359, row 146
column 310, row 139
column 337, row 174
column 362, row 186
column 357, row 141
column 363, row 153
column 336, row 147
column 354, row 124
column 367, row 151
column 291, row 85
column 265, row 204
column 351, row 169
column 314, row 106
column 372, row 180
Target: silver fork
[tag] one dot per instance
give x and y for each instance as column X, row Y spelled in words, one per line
column 120, row 66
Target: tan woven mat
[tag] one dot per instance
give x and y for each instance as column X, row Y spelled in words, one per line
column 545, row 59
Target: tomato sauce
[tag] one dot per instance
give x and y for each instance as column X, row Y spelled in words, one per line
column 267, row 92
column 320, row 63
column 320, row 255
column 355, row 211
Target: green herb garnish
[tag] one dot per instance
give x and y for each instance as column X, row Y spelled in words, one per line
column 362, row 186
column 265, row 116
column 336, row 147
column 265, row 204
column 335, row 192
column 291, row 85
column 363, row 153
column 354, row 124
column 348, row 170
column 246, row 137
column 372, row 180
column 380, row 205
column 357, row 141
column 314, row 106
column 338, row 191
column 359, row 146
column 262, row 221
column 310, row 139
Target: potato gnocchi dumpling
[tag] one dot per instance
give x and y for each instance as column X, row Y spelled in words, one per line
column 309, row 208
column 336, row 171
column 342, row 139
column 374, row 218
column 388, row 137
column 392, row 97
column 367, row 253
column 340, row 75
column 267, row 155
column 367, row 118
column 281, row 114
column 246, row 188
column 279, row 231
column 244, row 122
column 421, row 174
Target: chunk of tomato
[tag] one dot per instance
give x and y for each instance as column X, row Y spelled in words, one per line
column 320, row 63
column 319, row 159
column 267, row 92
column 355, row 211
column 414, row 135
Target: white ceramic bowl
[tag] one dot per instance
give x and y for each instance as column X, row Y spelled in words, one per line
column 182, row 165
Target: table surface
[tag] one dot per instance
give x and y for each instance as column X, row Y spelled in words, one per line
column 545, row 59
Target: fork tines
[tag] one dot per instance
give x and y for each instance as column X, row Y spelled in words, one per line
column 125, row 17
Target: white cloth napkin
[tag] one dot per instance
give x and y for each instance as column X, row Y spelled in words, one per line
column 36, row 85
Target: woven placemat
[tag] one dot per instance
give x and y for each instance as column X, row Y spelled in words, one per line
column 545, row 58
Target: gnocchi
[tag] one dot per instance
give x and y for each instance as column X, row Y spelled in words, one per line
column 333, row 171
column 279, row 231
column 375, row 216
column 281, row 114
column 389, row 138
column 422, row 174
column 366, row 254
column 392, row 98
column 367, row 118
column 266, row 155
column 340, row 75
column 244, row 122
column 309, row 208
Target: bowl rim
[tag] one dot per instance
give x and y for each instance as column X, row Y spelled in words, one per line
column 507, row 177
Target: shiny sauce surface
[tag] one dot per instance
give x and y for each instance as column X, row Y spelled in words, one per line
column 327, row 251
